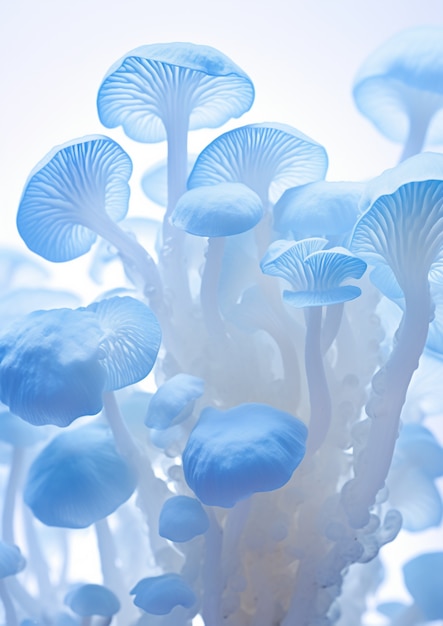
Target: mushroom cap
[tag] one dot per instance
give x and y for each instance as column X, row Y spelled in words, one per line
column 318, row 209
column 50, row 370
column 87, row 600
column 267, row 157
column 423, row 578
column 158, row 595
column 315, row 274
column 403, row 74
column 149, row 85
column 18, row 432
column 131, row 339
column 401, row 230
column 182, row 518
column 78, row 478
column 218, row 210
column 247, row 449
column 70, row 193
column 11, row 560
column 55, row 365
column 174, row 401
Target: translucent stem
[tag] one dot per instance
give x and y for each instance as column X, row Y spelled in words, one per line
column 389, row 387
column 331, row 325
column 211, row 573
column 319, row 397
column 37, row 559
column 112, row 577
column 418, row 127
column 10, row 614
column 14, row 479
column 209, row 286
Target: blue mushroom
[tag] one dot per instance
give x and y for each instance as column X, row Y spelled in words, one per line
column 182, row 518
column 267, row 157
column 160, row 91
column 88, row 600
column 11, row 560
column 423, row 578
column 78, row 479
column 319, row 209
column 174, row 401
column 78, row 191
column 315, row 276
column 247, row 449
column 158, row 595
column 400, row 88
column 404, row 212
column 55, row 365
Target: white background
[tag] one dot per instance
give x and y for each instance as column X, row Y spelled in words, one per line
column 302, row 56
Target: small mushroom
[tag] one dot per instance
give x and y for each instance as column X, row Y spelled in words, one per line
column 247, row 449
column 182, row 518
column 89, row 600
column 11, row 563
column 174, row 401
column 158, row 595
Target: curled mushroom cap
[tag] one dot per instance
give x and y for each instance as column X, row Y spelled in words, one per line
column 218, row 210
column 400, row 86
column 76, row 192
column 90, row 599
column 150, row 87
column 250, row 448
column 174, row 401
column 158, row 595
column 267, row 157
column 315, row 274
column 78, row 479
column 401, row 231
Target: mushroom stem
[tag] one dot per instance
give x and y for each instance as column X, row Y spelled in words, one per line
column 209, row 286
column 319, row 397
column 36, row 558
column 389, row 387
column 418, row 126
column 331, row 326
column 14, row 479
column 133, row 254
column 108, row 556
column 10, row 614
column 211, row 574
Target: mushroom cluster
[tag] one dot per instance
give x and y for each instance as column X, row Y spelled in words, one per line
column 242, row 429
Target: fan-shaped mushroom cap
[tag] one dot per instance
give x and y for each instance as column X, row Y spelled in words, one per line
column 78, row 479
column 72, row 195
column 218, row 210
column 174, row 401
column 267, row 157
column 144, row 88
column 423, row 577
column 88, row 600
column 250, row 448
column 319, row 209
column 401, row 78
column 401, row 231
column 182, row 518
column 315, row 274
column 11, row 560
column 158, row 595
